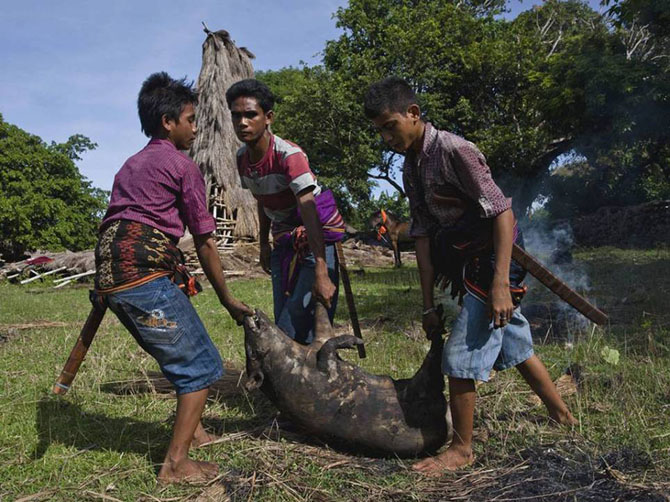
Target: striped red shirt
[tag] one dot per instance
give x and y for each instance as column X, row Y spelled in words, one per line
column 275, row 180
column 161, row 187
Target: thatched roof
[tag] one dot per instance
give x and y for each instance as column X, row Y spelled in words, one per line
column 215, row 146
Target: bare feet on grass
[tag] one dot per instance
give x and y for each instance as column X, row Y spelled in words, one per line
column 453, row 458
column 563, row 418
column 203, row 438
column 187, row 471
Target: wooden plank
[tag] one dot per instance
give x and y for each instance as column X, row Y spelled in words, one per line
column 26, row 281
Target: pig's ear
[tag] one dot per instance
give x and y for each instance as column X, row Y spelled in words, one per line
column 254, row 380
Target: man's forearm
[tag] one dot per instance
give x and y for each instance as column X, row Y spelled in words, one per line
column 310, row 219
column 503, row 239
column 209, row 258
column 426, row 270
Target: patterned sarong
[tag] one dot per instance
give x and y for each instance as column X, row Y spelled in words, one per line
column 130, row 253
column 463, row 256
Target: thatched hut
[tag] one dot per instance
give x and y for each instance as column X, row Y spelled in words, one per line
column 216, row 144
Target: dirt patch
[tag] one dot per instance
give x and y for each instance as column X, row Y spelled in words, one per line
column 8, row 334
column 565, row 472
column 546, row 473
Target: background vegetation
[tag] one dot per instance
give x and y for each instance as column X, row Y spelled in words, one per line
column 569, row 105
column 560, row 82
column 45, row 203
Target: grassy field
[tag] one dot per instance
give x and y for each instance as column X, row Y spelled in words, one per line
column 103, row 441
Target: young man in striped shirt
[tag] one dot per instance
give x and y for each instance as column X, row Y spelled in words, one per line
column 303, row 218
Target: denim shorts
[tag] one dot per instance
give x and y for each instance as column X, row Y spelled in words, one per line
column 165, row 324
column 475, row 346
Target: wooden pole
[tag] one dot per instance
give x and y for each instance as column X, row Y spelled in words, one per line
column 79, row 350
column 562, row 290
column 348, row 293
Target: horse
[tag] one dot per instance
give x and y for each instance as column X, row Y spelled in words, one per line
column 389, row 227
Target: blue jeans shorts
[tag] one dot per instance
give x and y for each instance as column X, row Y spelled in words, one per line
column 165, row 324
column 475, row 346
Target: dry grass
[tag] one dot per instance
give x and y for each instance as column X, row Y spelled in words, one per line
column 104, row 440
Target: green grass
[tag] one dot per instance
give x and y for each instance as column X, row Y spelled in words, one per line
column 94, row 444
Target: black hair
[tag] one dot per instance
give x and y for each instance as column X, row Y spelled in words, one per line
column 392, row 94
column 251, row 88
column 162, row 95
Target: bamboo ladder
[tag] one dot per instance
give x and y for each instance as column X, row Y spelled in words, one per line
column 225, row 222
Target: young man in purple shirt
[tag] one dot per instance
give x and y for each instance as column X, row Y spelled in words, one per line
column 464, row 230
column 140, row 273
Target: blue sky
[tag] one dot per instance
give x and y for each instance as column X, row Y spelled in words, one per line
column 76, row 66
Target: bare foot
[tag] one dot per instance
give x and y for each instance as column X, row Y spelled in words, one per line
column 449, row 460
column 187, row 471
column 564, row 418
column 203, row 438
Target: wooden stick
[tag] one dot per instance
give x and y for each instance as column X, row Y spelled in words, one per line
column 78, row 353
column 26, row 281
column 562, row 290
column 353, row 315
column 76, row 276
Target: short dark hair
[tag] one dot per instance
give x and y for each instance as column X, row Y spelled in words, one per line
column 162, row 95
column 251, row 88
column 392, row 94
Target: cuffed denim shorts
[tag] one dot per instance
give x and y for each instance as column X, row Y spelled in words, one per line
column 475, row 346
column 165, row 324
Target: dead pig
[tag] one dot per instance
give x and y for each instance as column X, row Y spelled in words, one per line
column 334, row 399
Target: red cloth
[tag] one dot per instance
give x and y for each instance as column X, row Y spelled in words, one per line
column 39, row 260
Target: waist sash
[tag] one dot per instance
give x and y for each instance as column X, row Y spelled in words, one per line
column 293, row 245
column 129, row 254
column 463, row 256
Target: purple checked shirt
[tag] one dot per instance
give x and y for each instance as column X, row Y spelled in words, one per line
column 161, row 187
column 447, row 160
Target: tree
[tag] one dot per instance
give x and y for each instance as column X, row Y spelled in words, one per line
column 558, row 79
column 475, row 75
column 44, row 201
column 622, row 80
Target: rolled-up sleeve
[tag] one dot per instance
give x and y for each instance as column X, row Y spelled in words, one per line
column 299, row 174
column 477, row 182
column 193, row 203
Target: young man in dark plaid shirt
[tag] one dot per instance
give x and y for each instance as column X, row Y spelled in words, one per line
column 464, row 230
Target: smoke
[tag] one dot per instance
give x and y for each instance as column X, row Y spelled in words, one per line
column 552, row 245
